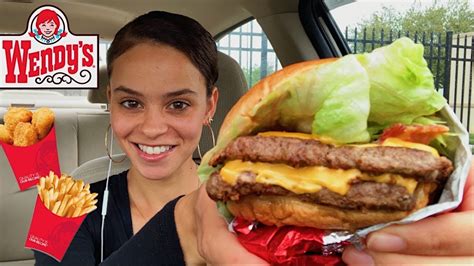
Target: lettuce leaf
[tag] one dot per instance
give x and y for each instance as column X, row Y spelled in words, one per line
column 344, row 109
column 401, row 84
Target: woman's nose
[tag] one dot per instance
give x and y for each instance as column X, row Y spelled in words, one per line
column 154, row 124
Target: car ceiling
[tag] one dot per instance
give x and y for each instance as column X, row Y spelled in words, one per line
column 105, row 17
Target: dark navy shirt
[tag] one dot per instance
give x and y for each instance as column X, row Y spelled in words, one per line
column 157, row 243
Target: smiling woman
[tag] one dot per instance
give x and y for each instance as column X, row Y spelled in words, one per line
column 162, row 69
column 156, row 108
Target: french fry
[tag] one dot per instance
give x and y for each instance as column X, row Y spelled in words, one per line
column 62, row 192
column 69, row 213
column 55, row 181
column 81, row 202
column 65, row 196
column 91, row 196
column 44, row 192
column 64, row 204
column 90, row 203
column 80, row 185
column 39, row 191
column 69, row 185
column 46, row 199
column 51, row 198
column 73, row 191
column 41, row 183
column 56, row 207
column 77, row 212
column 88, row 209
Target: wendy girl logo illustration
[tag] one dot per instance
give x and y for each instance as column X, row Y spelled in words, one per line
column 47, row 27
column 48, row 55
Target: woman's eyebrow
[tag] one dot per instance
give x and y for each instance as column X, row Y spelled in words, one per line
column 179, row 93
column 127, row 91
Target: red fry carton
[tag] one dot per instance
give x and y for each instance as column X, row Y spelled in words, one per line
column 31, row 162
column 50, row 233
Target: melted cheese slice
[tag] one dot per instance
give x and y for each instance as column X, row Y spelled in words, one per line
column 298, row 135
column 312, row 179
column 307, row 179
column 394, row 142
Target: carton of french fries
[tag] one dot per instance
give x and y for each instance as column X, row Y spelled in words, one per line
column 61, row 207
column 28, row 139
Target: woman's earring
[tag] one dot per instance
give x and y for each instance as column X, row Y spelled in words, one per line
column 208, row 124
column 107, row 145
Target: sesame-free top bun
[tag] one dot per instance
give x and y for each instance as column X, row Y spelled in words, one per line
column 263, row 88
column 281, row 210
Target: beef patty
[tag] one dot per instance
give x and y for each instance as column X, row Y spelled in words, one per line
column 418, row 164
column 361, row 195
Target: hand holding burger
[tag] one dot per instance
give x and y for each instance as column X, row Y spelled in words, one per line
column 333, row 144
column 442, row 239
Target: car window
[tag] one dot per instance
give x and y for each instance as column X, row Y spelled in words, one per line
column 445, row 28
column 249, row 46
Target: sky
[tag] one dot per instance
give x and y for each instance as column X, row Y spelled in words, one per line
column 345, row 15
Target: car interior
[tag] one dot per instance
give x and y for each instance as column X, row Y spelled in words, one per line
column 81, row 124
column 297, row 30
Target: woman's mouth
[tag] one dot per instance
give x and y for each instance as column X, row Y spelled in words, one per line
column 152, row 153
column 154, row 150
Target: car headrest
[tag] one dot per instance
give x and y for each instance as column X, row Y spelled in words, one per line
column 231, row 84
column 100, row 94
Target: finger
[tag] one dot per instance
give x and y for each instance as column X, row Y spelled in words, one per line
column 467, row 203
column 352, row 256
column 214, row 233
column 448, row 234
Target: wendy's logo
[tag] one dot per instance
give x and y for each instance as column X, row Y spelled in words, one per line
column 47, row 27
column 48, row 55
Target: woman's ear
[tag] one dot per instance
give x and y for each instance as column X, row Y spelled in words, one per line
column 212, row 103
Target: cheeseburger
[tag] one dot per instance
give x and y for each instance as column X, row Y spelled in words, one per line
column 301, row 148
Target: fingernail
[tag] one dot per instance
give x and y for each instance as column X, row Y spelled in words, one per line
column 353, row 256
column 386, row 243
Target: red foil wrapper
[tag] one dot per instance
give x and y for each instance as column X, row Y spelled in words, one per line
column 287, row 245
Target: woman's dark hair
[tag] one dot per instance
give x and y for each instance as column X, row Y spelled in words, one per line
column 183, row 33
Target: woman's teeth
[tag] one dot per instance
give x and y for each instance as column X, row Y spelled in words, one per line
column 153, row 150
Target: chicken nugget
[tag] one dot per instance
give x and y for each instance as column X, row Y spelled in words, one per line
column 5, row 135
column 24, row 135
column 43, row 120
column 15, row 115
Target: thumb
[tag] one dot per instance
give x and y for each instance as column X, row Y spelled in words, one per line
column 216, row 244
column 440, row 236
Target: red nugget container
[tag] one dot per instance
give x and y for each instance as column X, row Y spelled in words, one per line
column 32, row 162
column 50, row 233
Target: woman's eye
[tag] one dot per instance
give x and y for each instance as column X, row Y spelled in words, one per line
column 131, row 104
column 179, row 105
